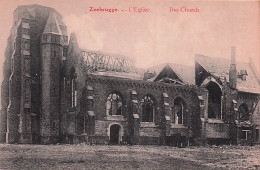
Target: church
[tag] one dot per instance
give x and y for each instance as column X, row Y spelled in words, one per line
column 54, row 91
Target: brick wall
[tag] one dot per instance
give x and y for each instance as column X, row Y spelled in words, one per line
column 103, row 86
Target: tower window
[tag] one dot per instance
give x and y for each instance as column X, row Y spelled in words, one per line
column 44, row 37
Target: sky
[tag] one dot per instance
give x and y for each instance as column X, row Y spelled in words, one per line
column 158, row 36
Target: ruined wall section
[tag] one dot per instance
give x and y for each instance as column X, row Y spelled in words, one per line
column 148, row 133
column 73, row 115
column 9, row 133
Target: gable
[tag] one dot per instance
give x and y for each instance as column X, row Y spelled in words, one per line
column 168, row 75
column 182, row 73
column 200, row 73
column 219, row 68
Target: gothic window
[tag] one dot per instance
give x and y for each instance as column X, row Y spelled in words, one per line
column 114, row 104
column 148, row 109
column 73, row 93
column 243, row 113
column 178, row 112
column 214, row 101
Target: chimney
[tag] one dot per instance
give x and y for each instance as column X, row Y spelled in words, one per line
column 232, row 70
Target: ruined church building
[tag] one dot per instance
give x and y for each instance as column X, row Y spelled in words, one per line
column 53, row 91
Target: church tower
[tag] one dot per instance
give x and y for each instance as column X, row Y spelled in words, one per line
column 30, row 89
column 53, row 41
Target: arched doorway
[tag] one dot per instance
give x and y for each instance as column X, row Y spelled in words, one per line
column 115, row 134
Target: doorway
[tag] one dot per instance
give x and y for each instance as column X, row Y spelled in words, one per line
column 115, row 134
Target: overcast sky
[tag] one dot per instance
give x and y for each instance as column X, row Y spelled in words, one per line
column 158, row 36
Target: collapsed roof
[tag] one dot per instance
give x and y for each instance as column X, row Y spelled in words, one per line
column 106, row 64
column 219, row 67
column 181, row 74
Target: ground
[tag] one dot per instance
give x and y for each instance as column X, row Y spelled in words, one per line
column 128, row 157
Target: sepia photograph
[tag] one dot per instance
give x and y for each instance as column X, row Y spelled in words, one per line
column 115, row 84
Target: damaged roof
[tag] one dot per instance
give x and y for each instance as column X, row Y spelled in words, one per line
column 219, row 67
column 185, row 73
column 112, row 65
column 124, row 75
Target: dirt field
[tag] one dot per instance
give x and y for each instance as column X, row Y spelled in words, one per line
column 127, row 157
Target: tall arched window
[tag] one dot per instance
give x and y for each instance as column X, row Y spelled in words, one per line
column 148, row 109
column 214, row 101
column 178, row 112
column 243, row 113
column 73, row 88
column 114, row 104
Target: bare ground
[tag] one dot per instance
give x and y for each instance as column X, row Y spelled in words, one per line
column 127, row 157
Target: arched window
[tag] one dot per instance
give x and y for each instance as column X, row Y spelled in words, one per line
column 178, row 112
column 214, row 101
column 148, row 109
column 243, row 113
column 114, row 104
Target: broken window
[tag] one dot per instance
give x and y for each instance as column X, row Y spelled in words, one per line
column 148, row 109
column 243, row 113
column 178, row 112
column 114, row 104
column 214, row 101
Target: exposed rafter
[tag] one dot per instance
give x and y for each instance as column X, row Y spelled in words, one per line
column 99, row 61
